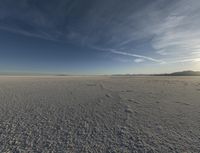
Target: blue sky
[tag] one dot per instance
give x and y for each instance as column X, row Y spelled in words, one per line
column 99, row 37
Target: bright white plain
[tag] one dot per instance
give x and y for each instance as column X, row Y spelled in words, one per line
column 100, row 114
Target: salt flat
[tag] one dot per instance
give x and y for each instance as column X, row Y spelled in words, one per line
column 100, row 114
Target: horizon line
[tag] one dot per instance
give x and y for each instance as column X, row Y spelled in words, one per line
column 64, row 74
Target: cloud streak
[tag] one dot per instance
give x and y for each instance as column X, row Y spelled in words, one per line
column 167, row 31
column 184, row 60
column 137, row 56
column 44, row 36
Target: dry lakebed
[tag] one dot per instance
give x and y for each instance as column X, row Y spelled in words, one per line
column 99, row 114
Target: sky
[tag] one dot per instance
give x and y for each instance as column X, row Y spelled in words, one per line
column 99, row 36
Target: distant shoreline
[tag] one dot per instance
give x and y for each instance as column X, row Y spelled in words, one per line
column 182, row 73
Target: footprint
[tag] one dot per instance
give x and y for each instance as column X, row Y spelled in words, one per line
column 91, row 84
column 133, row 100
column 182, row 103
column 102, row 86
column 101, row 100
column 126, row 90
column 128, row 109
column 108, row 95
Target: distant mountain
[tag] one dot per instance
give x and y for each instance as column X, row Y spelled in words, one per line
column 182, row 73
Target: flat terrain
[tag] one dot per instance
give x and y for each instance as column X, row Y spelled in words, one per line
column 100, row 114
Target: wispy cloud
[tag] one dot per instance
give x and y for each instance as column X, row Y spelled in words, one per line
column 40, row 35
column 170, row 29
column 138, row 58
column 178, row 35
column 173, row 32
column 184, row 60
column 136, row 55
column 196, row 52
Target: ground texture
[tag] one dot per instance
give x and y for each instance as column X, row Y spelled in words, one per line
column 100, row 114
